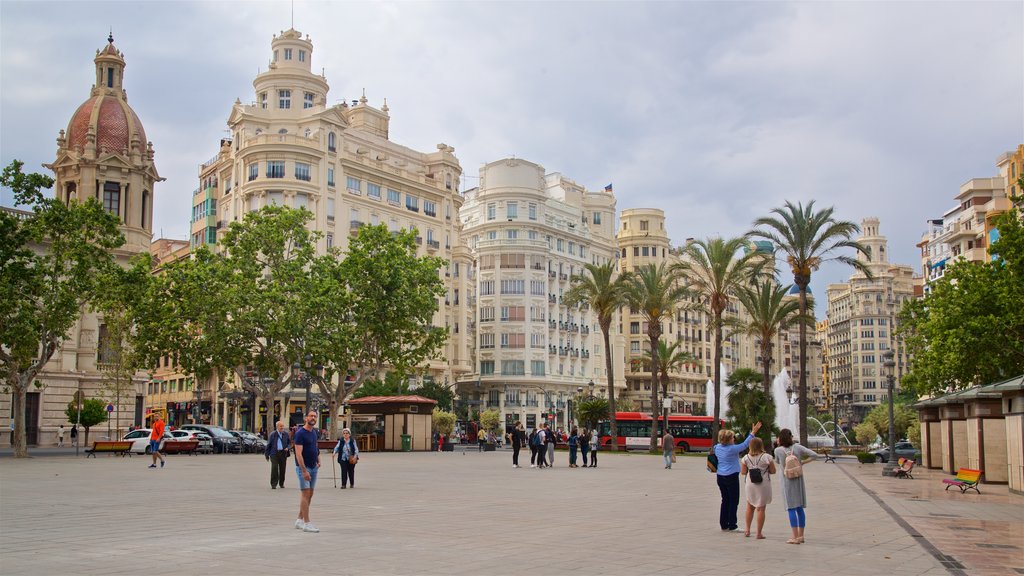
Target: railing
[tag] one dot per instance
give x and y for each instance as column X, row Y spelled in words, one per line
column 19, row 214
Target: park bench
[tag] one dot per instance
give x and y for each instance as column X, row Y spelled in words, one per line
column 180, row 447
column 966, row 479
column 326, row 444
column 904, row 471
column 113, row 446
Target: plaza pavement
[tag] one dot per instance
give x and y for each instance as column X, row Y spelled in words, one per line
column 473, row 514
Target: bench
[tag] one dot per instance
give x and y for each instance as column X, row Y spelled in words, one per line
column 966, row 479
column 326, row 444
column 180, row 446
column 830, row 456
column 905, row 469
column 113, row 446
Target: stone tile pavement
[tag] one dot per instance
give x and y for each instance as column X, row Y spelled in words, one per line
column 457, row 514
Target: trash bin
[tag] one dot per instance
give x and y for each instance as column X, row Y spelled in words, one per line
column 406, row 443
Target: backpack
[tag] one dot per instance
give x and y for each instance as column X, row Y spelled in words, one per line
column 754, row 473
column 534, row 439
column 793, row 468
column 712, row 461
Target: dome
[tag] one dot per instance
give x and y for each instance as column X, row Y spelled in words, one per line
column 106, row 114
column 794, row 290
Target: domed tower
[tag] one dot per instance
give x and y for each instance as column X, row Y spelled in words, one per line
column 104, row 154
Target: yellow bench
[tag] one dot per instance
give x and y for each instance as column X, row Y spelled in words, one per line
column 966, row 479
column 114, row 446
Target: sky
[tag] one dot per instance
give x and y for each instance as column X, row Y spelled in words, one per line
column 715, row 112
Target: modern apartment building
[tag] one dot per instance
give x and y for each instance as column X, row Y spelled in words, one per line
column 862, row 321
column 289, row 147
column 103, row 154
column 528, row 234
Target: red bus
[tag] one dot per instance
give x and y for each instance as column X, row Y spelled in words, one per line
column 692, row 433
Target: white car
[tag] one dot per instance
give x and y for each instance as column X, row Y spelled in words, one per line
column 205, row 442
column 140, row 440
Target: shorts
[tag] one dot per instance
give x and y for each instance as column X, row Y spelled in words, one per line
column 303, row 484
column 154, row 446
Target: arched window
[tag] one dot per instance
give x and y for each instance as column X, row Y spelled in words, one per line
column 145, row 200
column 70, row 192
column 330, row 142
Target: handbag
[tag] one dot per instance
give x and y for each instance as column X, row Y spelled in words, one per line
column 353, row 459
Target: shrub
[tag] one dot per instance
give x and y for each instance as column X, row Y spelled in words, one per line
column 866, row 457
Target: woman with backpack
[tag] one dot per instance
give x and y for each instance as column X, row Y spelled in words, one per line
column 757, row 467
column 728, row 474
column 792, row 457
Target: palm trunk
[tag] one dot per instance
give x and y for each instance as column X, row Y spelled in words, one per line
column 766, row 364
column 654, row 391
column 611, row 385
column 718, row 379
column 803, row 367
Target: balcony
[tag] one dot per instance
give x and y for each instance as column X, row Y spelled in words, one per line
column 433, row 244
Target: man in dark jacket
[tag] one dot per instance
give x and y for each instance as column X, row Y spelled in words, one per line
column 276, row 452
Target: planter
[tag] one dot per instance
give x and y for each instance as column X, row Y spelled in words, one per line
column 448, row 447
column 489, row 447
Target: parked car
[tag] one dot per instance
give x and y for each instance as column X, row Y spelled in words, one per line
column 205, row 442
column 140, row 440
column 903, row 450
column 223, row 441
column 250, row 442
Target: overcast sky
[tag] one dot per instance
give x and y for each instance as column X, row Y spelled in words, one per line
column 714, row 112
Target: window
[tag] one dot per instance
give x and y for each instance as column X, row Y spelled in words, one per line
column 513, row 286
column 263, row 100
column 302, row 171
column 412, row 203
column 486, row 367
column 513, row 367
column 373, row 190
column 302, row 55
column 112, row 198
column 537, row 287
column 330, row 241
column 643, row 225
column 287, row 53
column 645, row 251
column 597, row 217
column 394, row 197
column 254, row 171
column 512, row 234
column 331, row 142
column 487, row 262
column 430, row 208
column 531, row 234
column 560, row 245
column 110, row 77
column 284, row 99
column 307, row 100
column 301, row 201
column 275, row 169
column 513, row 340
column 513, row 313
column 354, row 185
column 491, row 211
column 487, row 314
column 532, row 211
column 486, row 340
column 512, row 210
column 513, row 260
column 487, row 287
column 330, row 176
column 330, row 208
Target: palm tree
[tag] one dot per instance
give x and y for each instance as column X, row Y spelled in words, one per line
column 672, row 359
column 807, row 238
column 715, row 271
column 768, row 310
column 656, row 290
column 602, row 291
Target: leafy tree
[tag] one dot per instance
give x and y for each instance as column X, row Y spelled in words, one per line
column 656, row 290
column 626, row 405
column 749, row 404
column 439, row 392
column 715, row 272
column 672, row 359
column 914, row 434
column 808, row 239
column 390, row 385
column 379, row 305
column 699, row 409
column 444, row 422
column 904, row 417
column 592, row 410
column 94, row 411
column 490, row 421
column 50, row 265
column 975, row 306
column 768, row 310
column 603, row 291
column 865, row 433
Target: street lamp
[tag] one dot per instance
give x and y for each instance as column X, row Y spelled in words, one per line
column 890, row 374
column 836, row 399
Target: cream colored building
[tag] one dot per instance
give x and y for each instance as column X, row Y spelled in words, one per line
column 290, row 147
column 103, row 154
column 528, row 233
column 862, row 321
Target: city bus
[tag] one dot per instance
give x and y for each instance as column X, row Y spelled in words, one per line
column 692, row 433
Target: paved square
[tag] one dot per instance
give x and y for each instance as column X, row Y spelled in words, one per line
column 426, row 513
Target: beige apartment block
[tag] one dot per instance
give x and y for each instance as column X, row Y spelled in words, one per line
column 103, row 154
column 1011, row 168
column 862, row 321
column 529, row 233
column 288, row 146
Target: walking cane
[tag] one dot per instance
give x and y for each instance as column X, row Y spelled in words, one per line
column 334, row 471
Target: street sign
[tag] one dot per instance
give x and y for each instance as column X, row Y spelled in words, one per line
column 110, row 407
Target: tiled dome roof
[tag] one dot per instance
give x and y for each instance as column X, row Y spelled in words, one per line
column 114, row 122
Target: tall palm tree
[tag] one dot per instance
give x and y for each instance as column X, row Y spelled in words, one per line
column 768, row 310
column 715, row 268
column 601, row 289
column 808, row 239
column 672, row 359
column 656, row 291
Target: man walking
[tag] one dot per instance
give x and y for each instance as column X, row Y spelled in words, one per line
column 60, row 437
column 307, row 463
column 74, row 435
column 276, row 453
column 155, row 438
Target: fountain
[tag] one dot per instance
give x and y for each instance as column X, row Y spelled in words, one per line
column 709, row 395
column 786, row 415
column 823, row 436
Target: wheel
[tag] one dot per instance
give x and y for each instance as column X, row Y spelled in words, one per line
column 683, row 447
column 879, row 458
column 149, row 450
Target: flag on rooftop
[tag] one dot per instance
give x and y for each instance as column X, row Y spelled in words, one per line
column 608, row 188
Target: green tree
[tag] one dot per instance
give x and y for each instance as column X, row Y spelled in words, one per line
column 657, row 291
column 749, row 404
column 808, row 239
column 602, row 290
column 975, row 306
column 444, row 423
column 768, row 310
column 490, row 421
column 94, row 411
column 672, row 359
column 715, row 269
column 591, row 410
column 439, row 392
column 391, row 385
column 51, row 261
column 903, row 417
column 378, row 308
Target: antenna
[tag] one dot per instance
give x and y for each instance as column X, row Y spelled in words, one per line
column 293, row 14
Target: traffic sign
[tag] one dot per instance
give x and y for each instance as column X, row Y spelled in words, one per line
column 110, row 407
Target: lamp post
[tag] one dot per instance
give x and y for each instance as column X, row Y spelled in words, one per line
column 890, row 369
column 836, row 399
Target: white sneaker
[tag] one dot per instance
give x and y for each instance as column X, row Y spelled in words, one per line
column 299, row 524
column 533, row 465
column 310, row 528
